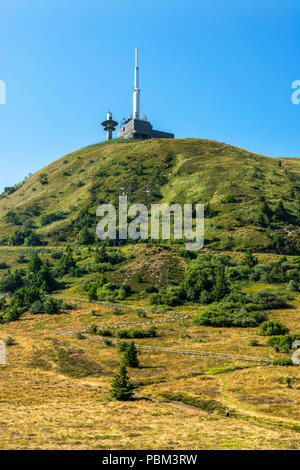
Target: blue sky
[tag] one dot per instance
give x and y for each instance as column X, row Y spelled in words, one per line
column 216, row 69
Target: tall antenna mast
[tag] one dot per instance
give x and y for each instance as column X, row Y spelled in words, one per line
column 136, row 90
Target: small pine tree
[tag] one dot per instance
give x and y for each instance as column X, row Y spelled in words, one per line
column 249, row 259
column 86, row 236
column 92, row 293
column 266, row 209
column 35, row 264
column 288, row 382
column 279, row 211
column 131, row 356
column 221, row 288
column 101, row 254
column 67, row 262
column 121, row 387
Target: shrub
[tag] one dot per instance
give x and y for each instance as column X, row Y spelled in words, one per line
column 67, row 306
column 117, row 311
column 33, row 239
column 171, row 296
column 22, row 259
column 137, row 334
column 36, row 308
column 122, row 346
column 141, row 314
column 56, row 255
column 80, row 336
column 282, row 343
column 106, row 333
column 10, row 282
column 294, row 286
column 122, row 334
column 43, row 178
column 47, row 219
column 272, row 328
column 282, row 361
column 92, row 329
column 9, row 341
column 86, row 236
column 52, row 306
column 288, row 382
column 253, row 343
column 229, row 199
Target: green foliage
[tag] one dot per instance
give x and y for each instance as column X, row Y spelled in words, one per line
column 29, row 289
column 130, row 357
column 112, row 256
column 37, row 308
column 288, row 382
column 33, row 239
column 282, row 361
column 272, row 328
column 12, row 218
column 282, row 343
column 10, row 282
column 221, row 287
column 172, row 296
column 121, row 387
column 67, row 263
column 280, row 212
column 25, row 236
column 43, row 178
column 229, row 199
column 80, row 336
column 35, row 264
column 52, row 306
column 250, row 260
column 240, row 310
column 51, row 217
column 86, row 236
column 137, row 334
column 206, row 280
column 9, row 341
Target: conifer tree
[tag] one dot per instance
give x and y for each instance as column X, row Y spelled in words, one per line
column 35, row 264
column 131, row 356
column 279, row 211
column 121, row 387
column 249, row 259
column 221, row 288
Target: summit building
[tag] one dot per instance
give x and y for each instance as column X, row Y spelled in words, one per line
column 137, row 127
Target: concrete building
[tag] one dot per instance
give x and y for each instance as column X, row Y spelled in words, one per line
column 136, row 127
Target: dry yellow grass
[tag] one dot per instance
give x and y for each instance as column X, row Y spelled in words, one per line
column 42, row 407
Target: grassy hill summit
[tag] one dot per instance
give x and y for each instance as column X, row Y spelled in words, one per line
column 251, row 201
column 206, row 337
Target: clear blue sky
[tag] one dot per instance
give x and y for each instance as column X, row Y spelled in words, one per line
column 216, row 69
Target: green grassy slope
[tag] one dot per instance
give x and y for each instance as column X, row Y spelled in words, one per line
column 231, row 180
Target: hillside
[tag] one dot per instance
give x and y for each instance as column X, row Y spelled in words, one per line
column 242, row 192
column 213, row 330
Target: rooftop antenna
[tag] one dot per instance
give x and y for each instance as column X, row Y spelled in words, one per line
column 136, row 90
